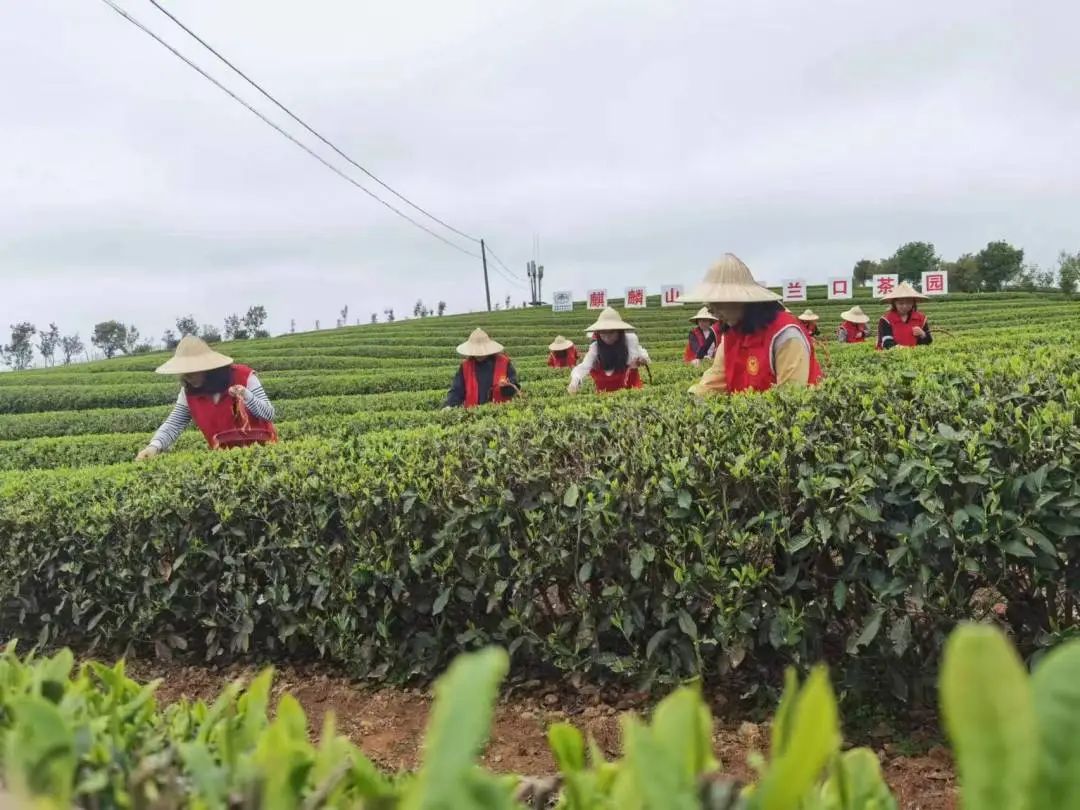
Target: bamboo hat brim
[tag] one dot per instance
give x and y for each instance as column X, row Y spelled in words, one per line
column 703, row 314
column 904, row 290
column 855, row 315
column 192, row 356
column 560, row 344
column 809, row 315
column 479, row 345
column 730, row 281
column 610, row 321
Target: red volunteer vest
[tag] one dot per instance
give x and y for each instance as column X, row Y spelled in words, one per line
column 853, row 332
column 693, row 343
column 567, row 360
column 213, row 418
column 616, row 380
column 472, row 389
column 748, row 359
column 809, row 327
column 903, row 331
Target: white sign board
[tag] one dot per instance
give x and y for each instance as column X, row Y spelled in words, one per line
column 794, row 289
column 635, row 298
column 935, row 283
column 562, row 301
column 597, row 299
column 671, row 295
column 885, row 283
column 840, row 288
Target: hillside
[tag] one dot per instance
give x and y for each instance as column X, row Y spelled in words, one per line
column 641, row 535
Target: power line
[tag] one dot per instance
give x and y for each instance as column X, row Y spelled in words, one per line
column 303, row 123
column 279, row 129
column 508, row 274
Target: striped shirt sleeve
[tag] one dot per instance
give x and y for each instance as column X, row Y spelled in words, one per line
column 171, row 429
column 258, row 403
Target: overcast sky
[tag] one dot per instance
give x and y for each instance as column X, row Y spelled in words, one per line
column 640, row 140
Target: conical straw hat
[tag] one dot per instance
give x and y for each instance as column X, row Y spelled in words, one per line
column 855, row 315
column 730, row 281
column 809, row 315
column 560, row 344
column 904, row 290
column 703, row 314
column 193, row 355
column 609, row 321
column 479, row 345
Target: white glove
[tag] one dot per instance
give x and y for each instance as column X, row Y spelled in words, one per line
column 695, row 362
column 147, row 452
column 573, row 387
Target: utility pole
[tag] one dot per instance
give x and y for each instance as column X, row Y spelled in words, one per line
column 487, row 287
column 539, row 284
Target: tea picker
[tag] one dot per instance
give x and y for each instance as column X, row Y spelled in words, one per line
column 763, row 345
column 613, row 358
column 225, row 400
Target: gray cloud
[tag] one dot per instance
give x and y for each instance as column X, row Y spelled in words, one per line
column 639, row 139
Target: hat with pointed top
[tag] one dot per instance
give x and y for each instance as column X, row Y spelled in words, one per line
column 192, row 356
column 479, row 345
column 730, row 281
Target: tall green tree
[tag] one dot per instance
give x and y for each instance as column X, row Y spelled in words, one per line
column 963, row 274
column 110, row 337
column 864, row 270
column 187, row 325
column 19, row 353
column 234, row 328
column 131, row 340
column 71, row 346
column 254, row 319
column 912, row 260
column 48, row 341
column 999, row 263
column 1069, row 272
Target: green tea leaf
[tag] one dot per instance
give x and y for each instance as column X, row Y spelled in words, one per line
column 988, row 712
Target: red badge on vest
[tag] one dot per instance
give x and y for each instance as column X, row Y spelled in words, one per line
column 752, row 366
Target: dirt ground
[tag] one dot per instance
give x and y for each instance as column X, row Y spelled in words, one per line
column 388, row 725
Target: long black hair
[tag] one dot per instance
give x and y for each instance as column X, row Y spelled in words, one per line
column 615, row 357
column 216, row 382
column 757, row 315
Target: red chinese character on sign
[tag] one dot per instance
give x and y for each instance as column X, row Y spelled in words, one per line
column 794, row 289
column 672, row 295
column 884, row 285
column 635, row 298
column 597, row 299
column 839, row 287
column 935, row 282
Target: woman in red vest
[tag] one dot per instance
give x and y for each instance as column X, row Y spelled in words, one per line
column 613, row 358
column 809, row 321
column 219, row 396
column 486, row 375
column 903, row 324
column 763, row 344
column 562, row 353
column 853, row 326
column 702, row 340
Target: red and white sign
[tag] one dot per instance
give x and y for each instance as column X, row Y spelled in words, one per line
column 839, row 288
column 885, row 283
column 635, row 298
column 936, row 283
column 671, row 295
column 794, row 289
column 597, row 299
